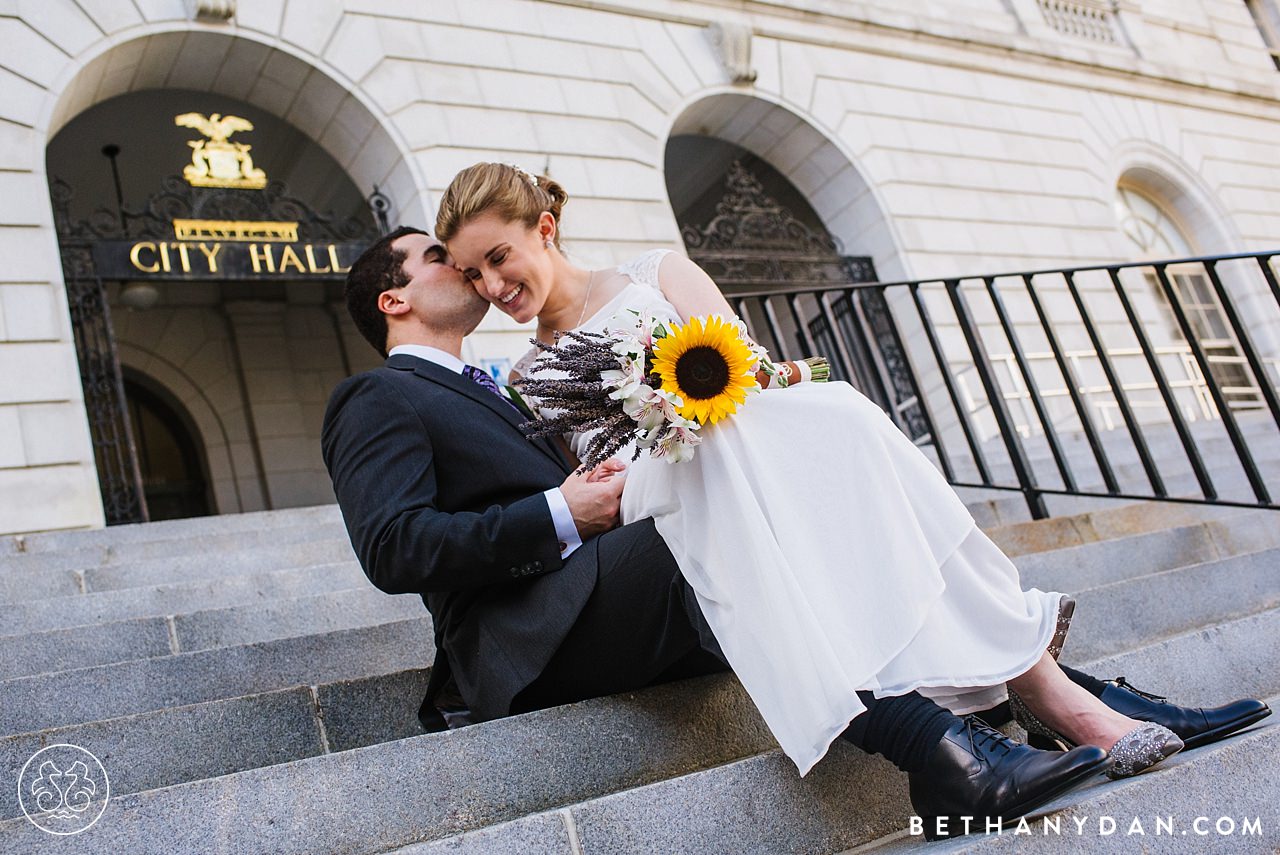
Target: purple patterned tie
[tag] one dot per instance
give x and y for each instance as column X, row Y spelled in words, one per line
column 481, row 377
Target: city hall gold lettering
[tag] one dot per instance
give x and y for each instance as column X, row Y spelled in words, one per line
column 264, row 258
column 272, row 248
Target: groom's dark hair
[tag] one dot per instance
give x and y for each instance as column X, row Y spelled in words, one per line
column 379, row 268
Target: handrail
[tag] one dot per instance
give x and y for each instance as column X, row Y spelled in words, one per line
column 1104, row 380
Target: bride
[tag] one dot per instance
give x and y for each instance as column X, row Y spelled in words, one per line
column 827, row 553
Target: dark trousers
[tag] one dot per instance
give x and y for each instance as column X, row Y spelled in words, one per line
column 642, row 626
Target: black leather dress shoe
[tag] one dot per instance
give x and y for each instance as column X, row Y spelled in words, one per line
column 1195, row 725
column 978, row 775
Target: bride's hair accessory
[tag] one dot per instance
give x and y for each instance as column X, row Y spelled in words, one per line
column 649, row 381
column 529, row 176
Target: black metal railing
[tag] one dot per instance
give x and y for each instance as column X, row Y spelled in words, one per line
column 1154, row 380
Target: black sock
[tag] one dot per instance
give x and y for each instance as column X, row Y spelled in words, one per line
column 905, row 729
column 1093, row 684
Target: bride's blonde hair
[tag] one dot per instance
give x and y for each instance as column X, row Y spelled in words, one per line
column 511, row 192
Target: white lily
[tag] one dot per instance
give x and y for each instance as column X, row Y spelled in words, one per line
column 625, row 381
column 652, row 408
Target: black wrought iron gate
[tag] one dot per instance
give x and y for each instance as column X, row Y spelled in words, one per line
column 786, row 280
column 115, row 453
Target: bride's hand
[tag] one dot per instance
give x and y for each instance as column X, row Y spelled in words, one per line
column 606, row 470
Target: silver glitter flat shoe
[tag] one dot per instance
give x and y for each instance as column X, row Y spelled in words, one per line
column 1138, row 750
column 1141, row 748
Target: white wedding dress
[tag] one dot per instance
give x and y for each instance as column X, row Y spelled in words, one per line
column 829, row 555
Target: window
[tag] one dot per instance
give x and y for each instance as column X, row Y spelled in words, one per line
column 1155, row 236
column 1267, row 16
column 1086, row 19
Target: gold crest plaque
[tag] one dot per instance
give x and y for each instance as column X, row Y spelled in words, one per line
column 216, row 162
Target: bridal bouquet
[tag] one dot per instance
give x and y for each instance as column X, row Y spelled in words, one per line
column 654, row 382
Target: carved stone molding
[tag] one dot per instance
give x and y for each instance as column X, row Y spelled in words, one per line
column 212, row 11
column 733, row 45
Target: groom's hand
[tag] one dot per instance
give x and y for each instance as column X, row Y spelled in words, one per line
column 593, row 500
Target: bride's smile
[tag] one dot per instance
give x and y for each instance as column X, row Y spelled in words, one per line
column 520, row 270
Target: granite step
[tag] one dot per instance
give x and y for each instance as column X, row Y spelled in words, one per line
column 43, row 615
column 815, row 810
column 53, row 541
column 1232, row 781
column 642, row 736
column 1090, row 565
column 726, row 810
column 1226, row 475
column 369, row 799
column 31, row 564
column 759, row 804
column 123, row 688
column 1117, row 520
column 197, row 565
column 144, row 638
column 1072, row 569
column 1137, row 611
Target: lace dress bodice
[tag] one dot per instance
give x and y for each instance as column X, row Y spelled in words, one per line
column 642, row 294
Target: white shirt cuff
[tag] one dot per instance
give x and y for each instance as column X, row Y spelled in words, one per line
column 566, row 529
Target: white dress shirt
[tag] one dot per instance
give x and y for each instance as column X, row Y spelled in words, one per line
column 566, row 529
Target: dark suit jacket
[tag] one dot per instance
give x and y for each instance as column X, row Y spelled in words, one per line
column 441, row 495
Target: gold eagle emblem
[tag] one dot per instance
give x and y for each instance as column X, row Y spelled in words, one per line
column 216, row 161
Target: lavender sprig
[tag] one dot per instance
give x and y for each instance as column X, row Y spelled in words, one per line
column 581, row 398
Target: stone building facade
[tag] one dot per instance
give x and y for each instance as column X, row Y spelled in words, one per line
column 935, row 139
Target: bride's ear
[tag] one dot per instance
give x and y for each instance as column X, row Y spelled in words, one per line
column 547, row 229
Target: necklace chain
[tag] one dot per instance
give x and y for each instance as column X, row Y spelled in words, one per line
column 591, row 280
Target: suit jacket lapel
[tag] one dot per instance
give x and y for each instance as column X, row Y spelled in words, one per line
column 473, row 390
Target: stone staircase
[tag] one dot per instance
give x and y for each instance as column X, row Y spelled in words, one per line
column 249, row 691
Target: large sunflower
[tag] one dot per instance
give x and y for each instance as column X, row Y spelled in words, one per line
column 708, row 365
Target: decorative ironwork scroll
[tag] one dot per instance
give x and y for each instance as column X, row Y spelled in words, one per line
column 755, row 246
column 123, row 500
column 178, row 200
column 754, row 242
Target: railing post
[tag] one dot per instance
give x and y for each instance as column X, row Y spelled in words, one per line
column 1017, row 454
column 1219, row 399
column 979, row 460
column 1028, row 377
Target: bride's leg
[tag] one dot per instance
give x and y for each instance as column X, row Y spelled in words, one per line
column 1069, row 708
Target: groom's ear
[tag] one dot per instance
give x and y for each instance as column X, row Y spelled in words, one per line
column 391, row 303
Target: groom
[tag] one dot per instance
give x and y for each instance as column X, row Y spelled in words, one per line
column 538, row 596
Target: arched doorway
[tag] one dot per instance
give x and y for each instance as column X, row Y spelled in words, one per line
column 171, row 458
column 230, row 279
column 770, row 250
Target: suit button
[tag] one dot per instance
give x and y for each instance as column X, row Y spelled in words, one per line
column 537, row 565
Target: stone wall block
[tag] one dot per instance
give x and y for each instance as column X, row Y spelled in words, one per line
column 12, row 451
column 46, row 437
column 111, row 16
column 37, row 371
column 41, row 37
column 29, row 312
column 357, row 46
column 311, row 25
column 72, row 490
